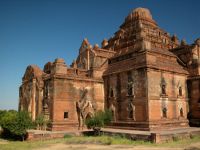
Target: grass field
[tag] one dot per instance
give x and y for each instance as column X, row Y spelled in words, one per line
column 189, row 144
column 27, row 145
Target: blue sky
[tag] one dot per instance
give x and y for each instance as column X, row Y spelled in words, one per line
column 38, row 31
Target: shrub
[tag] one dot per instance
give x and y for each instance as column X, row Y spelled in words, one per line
column 99, row 120
column 7, row 123
column 67, row 136
column 41, row 122
column 15, row 124
column 2, row 113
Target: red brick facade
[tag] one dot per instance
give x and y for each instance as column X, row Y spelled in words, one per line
column 142, row 74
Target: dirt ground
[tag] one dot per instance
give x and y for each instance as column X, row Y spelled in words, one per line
column 3, row 141
column 61, row 146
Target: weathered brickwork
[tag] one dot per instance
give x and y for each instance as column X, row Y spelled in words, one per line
column 145, row 76
column 66, row 95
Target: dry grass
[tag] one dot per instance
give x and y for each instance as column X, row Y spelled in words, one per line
column 188, row 144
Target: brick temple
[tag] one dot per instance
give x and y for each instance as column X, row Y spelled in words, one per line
column 145, row 76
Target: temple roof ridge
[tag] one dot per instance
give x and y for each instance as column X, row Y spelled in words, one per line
column 32, row 71
column 139, row 26
column 139, row 13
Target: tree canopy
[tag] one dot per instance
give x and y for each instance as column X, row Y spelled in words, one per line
column 15, row 124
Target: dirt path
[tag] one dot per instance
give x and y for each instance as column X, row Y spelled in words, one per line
column 3, row 142
column 193, row 146
column 62, row 146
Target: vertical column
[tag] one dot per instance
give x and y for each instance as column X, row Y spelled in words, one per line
column 40, row 99
column 33, row 99
column 148, row 109
column 118, row 96
column 198, row 52
column 88, row 59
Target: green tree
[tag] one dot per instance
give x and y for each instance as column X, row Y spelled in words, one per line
column 15, row 124
column 2, row 113
column 23, row 123
column 7, row 120
column 8, row 113
column 99, row 120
